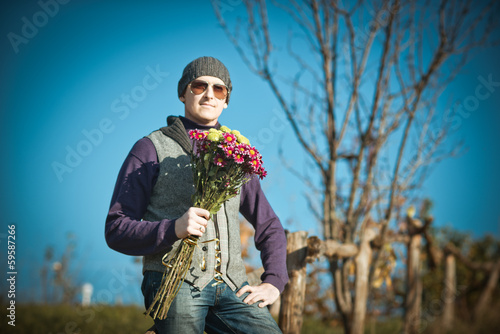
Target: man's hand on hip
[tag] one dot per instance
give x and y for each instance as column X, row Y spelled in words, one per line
column 266, row 293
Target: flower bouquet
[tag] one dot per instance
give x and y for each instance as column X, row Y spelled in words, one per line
column 222, row 161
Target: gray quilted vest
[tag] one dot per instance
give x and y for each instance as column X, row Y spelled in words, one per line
column 171, row 198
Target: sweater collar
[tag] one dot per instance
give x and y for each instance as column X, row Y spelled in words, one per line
column 190, row 125
column 178, row 128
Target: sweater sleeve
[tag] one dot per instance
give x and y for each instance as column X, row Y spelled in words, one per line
column 125, row 231
column 270, row 237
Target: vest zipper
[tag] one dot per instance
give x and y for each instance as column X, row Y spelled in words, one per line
column 218, row 262
column 216, row 226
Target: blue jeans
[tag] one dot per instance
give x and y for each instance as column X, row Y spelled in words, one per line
column 215, row 309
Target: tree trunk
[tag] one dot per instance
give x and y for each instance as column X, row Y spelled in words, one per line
column 413, row 280
column 292, row 298
column 450, row 290
column 341, row 291
column 362, row 260
column 336, row 253
column 485, row 297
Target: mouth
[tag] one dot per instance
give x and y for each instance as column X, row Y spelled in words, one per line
column 207, row 105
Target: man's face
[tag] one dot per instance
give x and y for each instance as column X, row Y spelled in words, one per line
column 204, row 108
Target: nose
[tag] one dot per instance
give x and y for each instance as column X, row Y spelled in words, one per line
column 209, row 93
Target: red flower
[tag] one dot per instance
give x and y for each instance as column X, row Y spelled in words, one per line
column 253, row 153
column 229, row 150
column 242, row 148
column 219, row 160
column 204, row 146
column 229, row 138
column 239, row 158
column 255, row 163
column 197, row 134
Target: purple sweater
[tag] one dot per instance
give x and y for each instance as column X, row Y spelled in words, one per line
column 127, row 233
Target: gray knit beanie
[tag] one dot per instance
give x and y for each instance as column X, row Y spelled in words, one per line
column 204, row 66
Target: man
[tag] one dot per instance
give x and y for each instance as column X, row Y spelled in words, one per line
column 151, row 212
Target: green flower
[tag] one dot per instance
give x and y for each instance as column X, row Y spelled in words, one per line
column 242, row 139
column 225, row 129
column 214, row 136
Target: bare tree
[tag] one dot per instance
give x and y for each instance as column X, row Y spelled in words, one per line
column 362, row 104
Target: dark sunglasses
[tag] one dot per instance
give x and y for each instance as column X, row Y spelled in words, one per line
column 199, row 87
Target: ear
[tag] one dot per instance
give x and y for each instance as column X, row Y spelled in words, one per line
column 182, row 98
column 225, row 105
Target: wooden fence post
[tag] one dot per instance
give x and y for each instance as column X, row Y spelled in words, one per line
column 413, row 300
column 292, row 298
column 450, row 291
column 487, row 293
column 362, row 260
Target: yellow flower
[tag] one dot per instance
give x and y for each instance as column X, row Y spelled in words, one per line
column 411, row 211
column 236, row 133
column 225, row 129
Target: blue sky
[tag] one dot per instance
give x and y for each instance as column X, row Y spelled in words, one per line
column 70, row 80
